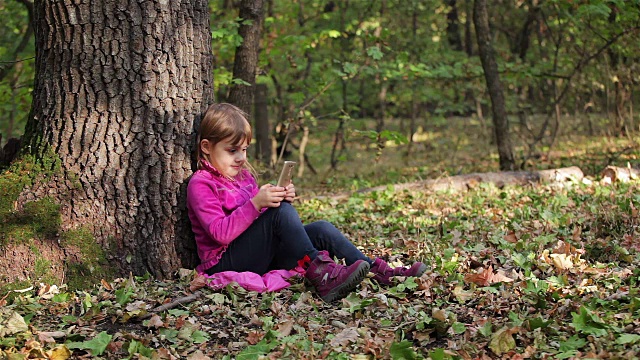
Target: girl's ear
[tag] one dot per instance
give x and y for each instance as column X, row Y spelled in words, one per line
column 204, row 146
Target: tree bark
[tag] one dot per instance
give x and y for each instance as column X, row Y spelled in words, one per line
column 262, row 128
column 453, row 26
column 246, row 59
column 119, row 89
column 490, row 66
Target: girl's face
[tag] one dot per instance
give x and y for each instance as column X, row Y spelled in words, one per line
column 228, row 158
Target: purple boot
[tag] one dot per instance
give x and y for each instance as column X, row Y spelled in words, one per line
column 382, row 272
column 334, row 281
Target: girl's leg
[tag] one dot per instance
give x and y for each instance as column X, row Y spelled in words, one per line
column 325, row 236
column 276, row 240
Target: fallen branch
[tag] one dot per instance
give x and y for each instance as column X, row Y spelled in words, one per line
column 171, row 305
column 620, row 174
column 499, row 179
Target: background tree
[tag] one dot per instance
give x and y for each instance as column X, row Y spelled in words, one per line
column 16, row 67
column 487, row 56
column 246, row 56
column 118, row 91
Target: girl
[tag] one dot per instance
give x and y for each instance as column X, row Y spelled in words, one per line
column 241, row 227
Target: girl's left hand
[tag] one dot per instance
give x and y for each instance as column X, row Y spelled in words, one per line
column 290, row 193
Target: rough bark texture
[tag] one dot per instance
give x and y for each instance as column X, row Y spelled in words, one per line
column 119, row 88
column 246, row 60
column 488, row 59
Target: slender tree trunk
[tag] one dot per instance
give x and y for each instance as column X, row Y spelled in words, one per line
column 118, row 92
column 453, row 26
column 262, row 127
column 246, row 60
column 490, row 66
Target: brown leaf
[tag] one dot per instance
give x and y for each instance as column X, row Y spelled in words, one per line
column 106, row 284
column 487, row 277
column 155, row 321
column 199, row 281
column 511, row 237
column 284, row 328
column 198, row 355
column 254, row 337
column 50, row 336
column 482, row 278
column 162, row 354
column 345, row 337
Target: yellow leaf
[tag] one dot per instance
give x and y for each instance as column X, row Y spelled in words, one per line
column 461, row 295
column 60, row 352
column 561, row 261
column 502, row 341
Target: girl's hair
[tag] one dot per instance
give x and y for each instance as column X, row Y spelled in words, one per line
column 221, row 122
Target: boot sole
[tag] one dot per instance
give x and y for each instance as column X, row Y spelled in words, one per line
column 348, row 285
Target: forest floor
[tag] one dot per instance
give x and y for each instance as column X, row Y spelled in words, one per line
column 518, row 272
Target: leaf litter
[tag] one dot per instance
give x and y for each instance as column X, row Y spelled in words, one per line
column 515, row 273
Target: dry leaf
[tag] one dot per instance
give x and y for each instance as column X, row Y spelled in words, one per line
column 482, row 278
column 561, row 261
column 60, row 352
column 502, row 341
column 199, row 281
column 50, row 336
column 511, row 237
column 106, row 284
column 155, row 321
column 254, row 337
column 284, row 328
column 198, row 355
column 345, row 337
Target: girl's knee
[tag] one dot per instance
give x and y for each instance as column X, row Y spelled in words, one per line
column 323, row 226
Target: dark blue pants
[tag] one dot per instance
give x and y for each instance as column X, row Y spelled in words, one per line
column 278, row 239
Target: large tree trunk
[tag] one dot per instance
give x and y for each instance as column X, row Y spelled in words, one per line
column 119, row 88
column 488, row 59
column 246, row 60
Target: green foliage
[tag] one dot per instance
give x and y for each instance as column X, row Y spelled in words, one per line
column 18, row 67
column 97, row 345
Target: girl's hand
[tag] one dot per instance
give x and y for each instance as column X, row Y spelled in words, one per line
column 268, row 196
column 290, row 193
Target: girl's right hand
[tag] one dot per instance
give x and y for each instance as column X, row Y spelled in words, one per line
column 268, row 196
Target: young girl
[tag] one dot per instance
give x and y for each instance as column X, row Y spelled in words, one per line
column 241, row 227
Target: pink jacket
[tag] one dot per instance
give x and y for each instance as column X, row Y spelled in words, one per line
column 220, row 210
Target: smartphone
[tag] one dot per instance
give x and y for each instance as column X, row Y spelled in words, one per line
column 286, row 173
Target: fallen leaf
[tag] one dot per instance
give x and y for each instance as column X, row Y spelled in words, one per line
column 561, row 261
column 60, row 352
column 502, row 341
column 511, row 237
column 199, row 281
column 14, row 325
column 461, row 295
column 198, row 355
column 284, row 328
column 486, row 277
column 482, row 278
column 345, row 337
column 106, row 284
column 155, row 321
column 50, row 336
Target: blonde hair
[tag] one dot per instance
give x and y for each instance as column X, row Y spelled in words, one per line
column 224, row 121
